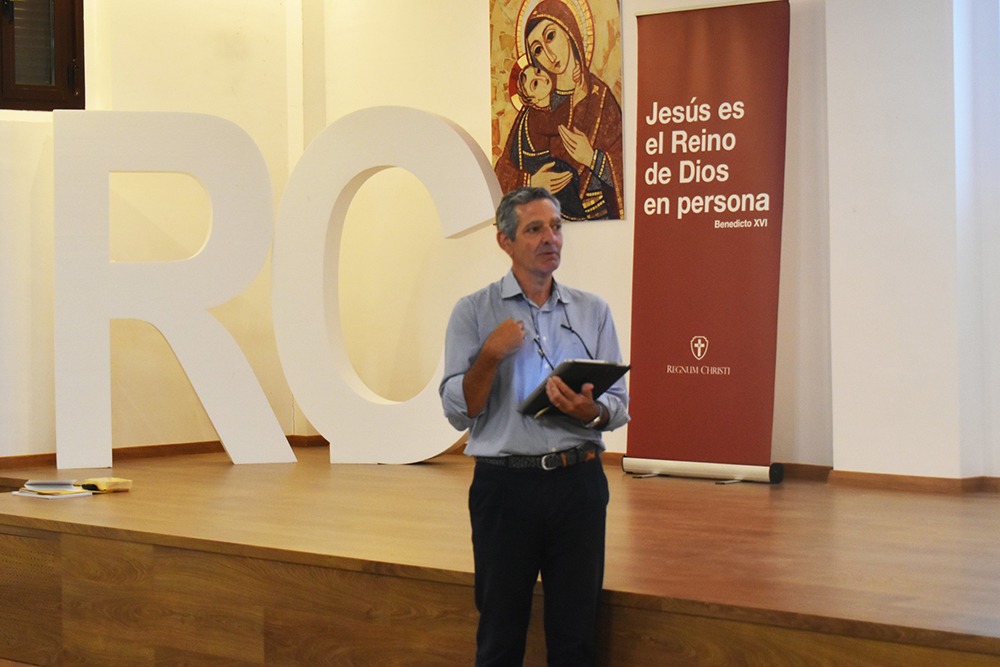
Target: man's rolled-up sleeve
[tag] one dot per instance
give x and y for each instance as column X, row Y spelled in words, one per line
column 615, row 399
column 460, row 348
column 453, row 402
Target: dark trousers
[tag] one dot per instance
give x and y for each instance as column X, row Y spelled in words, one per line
column 531, row 521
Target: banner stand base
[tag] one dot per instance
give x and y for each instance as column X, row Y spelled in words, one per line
column 771, row 474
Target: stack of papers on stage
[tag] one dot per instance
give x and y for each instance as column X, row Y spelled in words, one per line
column 52, row 488
column 58, row 488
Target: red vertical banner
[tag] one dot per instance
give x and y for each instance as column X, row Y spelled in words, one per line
column 711, row 99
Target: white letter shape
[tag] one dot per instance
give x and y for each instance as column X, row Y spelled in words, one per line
column 175, row 297
column 362, row 426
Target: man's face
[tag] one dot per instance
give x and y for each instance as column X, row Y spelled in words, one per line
column 537, row 246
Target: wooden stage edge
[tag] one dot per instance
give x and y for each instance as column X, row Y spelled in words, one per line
column 317, row 564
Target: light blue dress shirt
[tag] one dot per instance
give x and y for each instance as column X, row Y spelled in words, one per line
column 567, row 326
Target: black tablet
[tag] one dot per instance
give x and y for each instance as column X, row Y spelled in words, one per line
column 575, row 373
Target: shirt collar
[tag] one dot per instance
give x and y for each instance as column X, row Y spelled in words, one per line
column 510, row 288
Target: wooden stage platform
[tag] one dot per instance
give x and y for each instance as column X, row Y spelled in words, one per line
column 205, row 562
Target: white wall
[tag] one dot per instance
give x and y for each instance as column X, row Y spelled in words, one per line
column 977, row 170
column 892, row 240
column 802, row 397
column 908, row 292
column 27, row 413
column 852, row 266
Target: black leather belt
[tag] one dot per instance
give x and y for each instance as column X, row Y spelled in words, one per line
column 563, row 459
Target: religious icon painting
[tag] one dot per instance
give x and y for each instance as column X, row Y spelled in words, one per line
column 556, row 73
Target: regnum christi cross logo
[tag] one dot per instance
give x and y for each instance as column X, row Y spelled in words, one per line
column 699, row 347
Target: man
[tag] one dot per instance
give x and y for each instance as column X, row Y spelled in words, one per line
column 538, row 498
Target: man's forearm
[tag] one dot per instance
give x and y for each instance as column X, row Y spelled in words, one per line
column 478, row 381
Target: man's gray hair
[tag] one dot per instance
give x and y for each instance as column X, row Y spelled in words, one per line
column 506, row 220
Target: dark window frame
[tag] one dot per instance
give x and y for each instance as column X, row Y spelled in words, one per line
column 68, row 90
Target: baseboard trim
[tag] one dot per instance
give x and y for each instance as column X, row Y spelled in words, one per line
column 612, row 459
column 807, row 472
column 151, row 451
column 307, row 441
column 943, row 485
column 27, row 461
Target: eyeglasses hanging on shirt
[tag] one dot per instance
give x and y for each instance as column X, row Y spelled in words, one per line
column 565, row 325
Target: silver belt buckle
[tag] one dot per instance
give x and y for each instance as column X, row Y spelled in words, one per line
column 546, row 466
